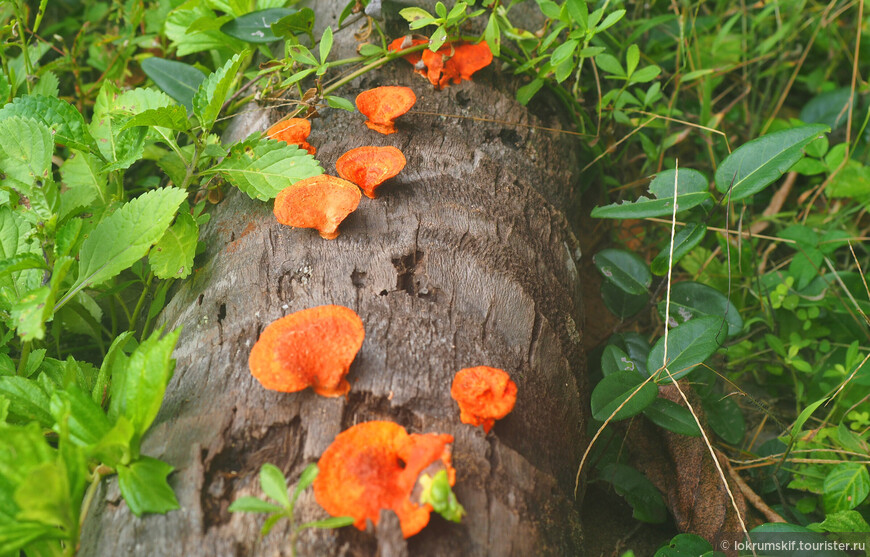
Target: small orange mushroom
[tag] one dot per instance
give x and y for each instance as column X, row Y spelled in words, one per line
column 414, row 58
column 369, row 167
column 310, row 348
column 485, row 394
column 376, row 465
column 294, row 131
column 382, row 105
column 320, row 202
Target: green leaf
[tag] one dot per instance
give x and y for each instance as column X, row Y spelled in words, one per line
column 755, row 165
column 15, row 536
column 325, row 44
column 673, row 417
column 610, row 64
column 632, row 57
column 614, row 360
column 621, row 303
column 172, row 256
column 144, row 487
column 84, row 183
column 26, row 147
column 830, row 108
column 579, row 12
column 413, row 14
column 263, row 167
column 526, row 92
column 843, row 521
column 641, row 494
column 690, row 300
column 611, row 19
column 330, row 523
column 28, row 402
column 685, row 545
column 625, row 269
column 438, row 38
column 563, row 52
column 31, row 312
column 62, row 118
column 21, row 262
column 177, row 79
column 725, row 419
column 492, row 35
column 115, row 359
column 645, row 75
column 684, row 241
column 256, row 27
column 437, row 493
column 340, row 102
column 305, row 480
column 212, row 92
column 120, row 148
column 253, row 505
column 173, row 117
column 145, row 379
column 300, row 22
column 846, row 487
column 44, row 497
column 188, row 41
column 5, row 88
column 124, row 237
column 805, row 415
column 691, row 192
column 617, row 387
column 274, row 484
column 689, row 345
column 85, row 420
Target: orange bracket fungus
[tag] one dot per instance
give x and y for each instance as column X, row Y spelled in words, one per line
column 320, row 202
column 369, row 167
column 310, row 348
column 376, row 465
column 485, row 394
column 452, row 62
column 382, row 105
column 294, row 131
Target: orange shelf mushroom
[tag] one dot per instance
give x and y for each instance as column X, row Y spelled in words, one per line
column 376, row 465
column 320, row 202
column 310, row 348
column 369, row 167
column 485, row 394
column 294, row 131
column 452, row 62
column 382, row 105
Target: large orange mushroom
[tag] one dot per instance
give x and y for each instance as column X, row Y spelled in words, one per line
column 294, row 131
column 376, row 465
column 369, row 167
column 382, row 105
column 320, row 202
column 485, row 394
column 310, row 348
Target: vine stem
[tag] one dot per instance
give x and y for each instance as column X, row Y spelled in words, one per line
column 140, row 303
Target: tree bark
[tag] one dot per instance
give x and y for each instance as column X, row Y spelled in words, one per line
column 466, row 258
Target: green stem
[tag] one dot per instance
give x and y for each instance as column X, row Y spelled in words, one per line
column 369, row 67
column 89, row 497
column 25, row 355
column 25, row 52
column 140, row 303
column 194, row 161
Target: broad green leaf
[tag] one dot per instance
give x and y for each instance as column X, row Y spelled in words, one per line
column 253, row 505
column 173, row 117
column 725, row 419
column 172, row 256
column 31, row 312
column 145, row 379
column 325, row 45
column 492, row 35
column 843, row 521
column 339, row 102
column 120, row 148
column 301, row 22
column 48, row 84
column 28, row 401
column 641, row 494
column 625, row 269
column 62, row 118
column 689, row 345
column 621, row 303
column 263, row 167
column 177, row 79
column 563, row 52
column 44, row 496
column 123, row 238
column 21, row 262
column 15, row 239
column 144, row 487
column 26, row 147
column 256, row 27
column 691, row 192
column 673, row 417
column 413, row 14
column 614, row 360
column 685, row 545
column 693, row 299
column 15, row 536
column 635, row 346
column 756, row 164
column 830, row 108
column 274, row 484
column 118, row 446
column 608, row 63
column 84, row 182
column 846, row 487
column 212, row 92
column 645, row 75
column 684, row 241
column 526, row 92
column 618, row 387
column 183, row 17
column 85, row 420
column 23, row 448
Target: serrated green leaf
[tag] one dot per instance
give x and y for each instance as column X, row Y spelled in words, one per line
column 177, row 79
column 173, row 117
column 145, row 379
column 26, row 147
column 21, row 262
column 684, row 241
column 756, row 164
column 618, row 387
column 120, row 148
column 172, row 256
column 183, row 17
column 44, row 497
column 85, row 420
column 212, row 92
column 84, row 183
column 256, row 27
column 846, row 487
column 253, row 505
column 625, row 269
column 5, row 88
column 31, row 312
column 843, row 521
column 263, row 167
column 672, row 417
column 124, row 237
column 62, row 118
column 144, row 487
column 28, row 401
column 641, row 494
column 274, row 484
column 689, row 345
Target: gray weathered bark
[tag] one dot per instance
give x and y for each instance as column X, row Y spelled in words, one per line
column 466, row 259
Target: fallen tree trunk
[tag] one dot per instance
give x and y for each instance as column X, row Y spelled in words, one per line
column 465, row 259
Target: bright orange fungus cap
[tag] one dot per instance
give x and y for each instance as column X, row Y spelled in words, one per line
column 374, row 466
column 452, row 62
column 310, row 348
column 382, row 105
column 485, row 394
column 320, row 202
column 369, row 167
column 294, row 131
